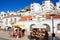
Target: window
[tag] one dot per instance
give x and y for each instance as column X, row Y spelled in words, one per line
column 32, row 5
column 58, row 27
column 11, row 20
column 4, row 14
column 32, row 8
column 6, row 21
column 7, row 13
column 59, row 6
column 15, row 20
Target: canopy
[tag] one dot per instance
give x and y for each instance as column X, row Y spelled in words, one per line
column 18, row 25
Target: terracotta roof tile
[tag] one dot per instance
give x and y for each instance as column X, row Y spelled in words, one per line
column 9, row 16
column 56, row 16
column 24, row 18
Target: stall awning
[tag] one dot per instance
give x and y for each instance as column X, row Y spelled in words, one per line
column 18, row 25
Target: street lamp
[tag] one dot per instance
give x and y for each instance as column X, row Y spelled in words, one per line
column 53, row 34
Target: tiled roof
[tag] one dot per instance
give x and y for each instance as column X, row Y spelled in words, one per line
column 24, row 18
column 9, row 16
column 55, row 16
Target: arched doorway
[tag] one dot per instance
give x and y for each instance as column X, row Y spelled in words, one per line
column 47, row 27
column 58, row 27
column 31, row 26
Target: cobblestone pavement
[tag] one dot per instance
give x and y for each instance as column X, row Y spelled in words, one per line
column 4, row 36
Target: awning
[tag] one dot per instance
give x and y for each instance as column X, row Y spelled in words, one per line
column 18, row 25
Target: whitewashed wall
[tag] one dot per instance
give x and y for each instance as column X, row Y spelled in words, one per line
column 9, row 23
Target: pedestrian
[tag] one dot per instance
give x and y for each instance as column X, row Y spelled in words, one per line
column 6, row 28
column 23, row 32
column 46, row 35
column 20, row 32
column 10, row 31
column 14, row 32
column 17, row 33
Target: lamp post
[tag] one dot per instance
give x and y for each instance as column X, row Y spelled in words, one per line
column 53, row 34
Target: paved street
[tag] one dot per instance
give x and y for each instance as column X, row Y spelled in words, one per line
column 4, row 36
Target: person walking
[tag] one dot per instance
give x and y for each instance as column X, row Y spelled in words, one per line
column 46, row 35
column 14, row 32
column 23, row 32
column 10, row 31
column 20, row 32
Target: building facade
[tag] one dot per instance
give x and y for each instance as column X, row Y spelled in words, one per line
column 33, row 15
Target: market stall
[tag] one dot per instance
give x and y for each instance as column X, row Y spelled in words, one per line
column 17, row 30
column 39, row 31
column 37, row 34
column 18, row 25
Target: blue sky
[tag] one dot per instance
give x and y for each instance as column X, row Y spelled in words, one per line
column 15, row 5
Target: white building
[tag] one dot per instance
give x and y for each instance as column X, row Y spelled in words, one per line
column 2, row 14
column 35, row 8
column 9, row 19
column 37, row 14
column 58, row 6
column 48, row 22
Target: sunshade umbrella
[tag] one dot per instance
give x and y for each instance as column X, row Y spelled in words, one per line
column 18, row 25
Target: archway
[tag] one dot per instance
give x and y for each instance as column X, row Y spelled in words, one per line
column 31, row 26
column 47, row 27
column 58, row 26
